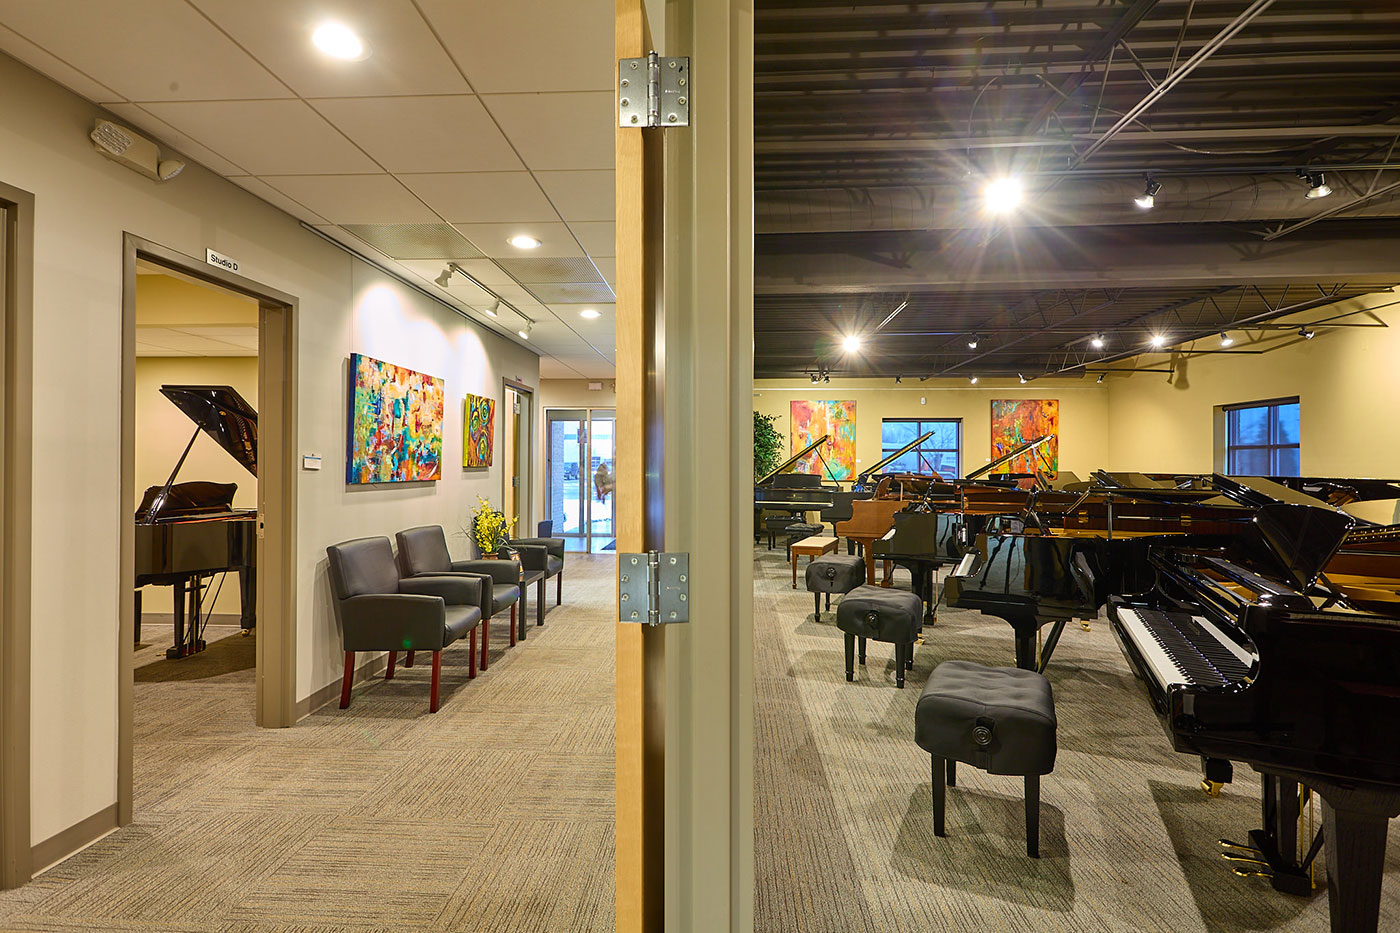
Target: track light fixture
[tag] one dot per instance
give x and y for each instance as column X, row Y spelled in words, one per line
column 898, row 380
column 525, row 328
column 826, row 377
column 1149, row 194
column 1225, row 339
column 1099, row 381
column 972, row 379
column 1158, row 340
column 495, row 309
column 972, row 342
column 816, row 378
column 1306, row 333
column 851, row 344
column 444, row 277
column 1001, row 195
column 1096, row 341
column 1317, row 184
column 1022, row 377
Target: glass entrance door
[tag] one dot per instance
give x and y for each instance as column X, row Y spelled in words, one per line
column 579, row 486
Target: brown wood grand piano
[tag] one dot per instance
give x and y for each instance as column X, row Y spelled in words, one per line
column 187, row 533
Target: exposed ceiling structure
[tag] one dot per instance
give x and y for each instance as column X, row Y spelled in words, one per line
column 456, row 133
column 878, row 126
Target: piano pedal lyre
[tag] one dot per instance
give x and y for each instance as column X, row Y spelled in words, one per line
column 1085, row 625
column 1211, row 788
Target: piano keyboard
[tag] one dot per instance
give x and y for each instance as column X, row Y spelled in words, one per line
column 1182, row 649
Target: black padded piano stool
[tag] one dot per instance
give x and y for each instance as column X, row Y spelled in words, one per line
column 999, row 719
column 895, row 616
column 834, row 573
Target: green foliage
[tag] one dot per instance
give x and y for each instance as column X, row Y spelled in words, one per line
column 767, row 445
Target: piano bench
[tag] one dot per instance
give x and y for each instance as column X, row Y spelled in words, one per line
column 874, row 612
column 998, row 719
column 833, row 573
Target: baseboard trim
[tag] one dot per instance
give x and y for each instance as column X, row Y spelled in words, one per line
column 331, row 691
column 72, row 840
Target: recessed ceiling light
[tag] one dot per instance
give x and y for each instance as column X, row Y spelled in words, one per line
column 590, row 313
column 1001, row 195
column 851, row 344
column 524, row 241
column 339, row 41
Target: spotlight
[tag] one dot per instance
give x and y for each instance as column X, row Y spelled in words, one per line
column 1158, row 340
column 851, row 344
column 972, row 379
column 1023, row 379
column 1096, row 341
column 523, row 241
column 815, row 378
column 1149, row 194
column 1225, row 339
column 495, row 309
column 590, row 313
column 826, row 378
column 444, row 277
column 1317, row 184
column 1001, row 195
column 1306, row 334
column 898, row 380
column 1099, row 381
column 524, row 330
column 972, row 342
column 338, row 41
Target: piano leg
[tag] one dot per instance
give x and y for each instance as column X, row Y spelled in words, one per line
column 177, row 605
column 1354, row 822
column 248, row 597
column 137, row 626
column 1050, row 642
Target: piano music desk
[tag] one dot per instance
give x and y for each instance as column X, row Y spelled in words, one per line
column 813, row 547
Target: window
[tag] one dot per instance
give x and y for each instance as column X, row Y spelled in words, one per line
column 939, row 453
column 1261, row 438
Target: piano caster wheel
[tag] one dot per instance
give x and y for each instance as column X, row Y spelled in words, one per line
column 246, row 632
column 1211, row 788
column 1085, row 626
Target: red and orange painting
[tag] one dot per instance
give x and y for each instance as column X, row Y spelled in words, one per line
column 395, row 423
column 1016, row 421
column 837, row 420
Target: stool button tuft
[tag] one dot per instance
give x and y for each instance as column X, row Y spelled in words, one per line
column 982, row 735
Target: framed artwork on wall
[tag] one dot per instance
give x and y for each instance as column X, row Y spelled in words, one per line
column 1016, row 421
column 479, row 431
column 837, row 420
column 395, row 429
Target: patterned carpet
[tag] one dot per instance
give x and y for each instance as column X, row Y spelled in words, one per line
column 844, row 828
column 494, row 814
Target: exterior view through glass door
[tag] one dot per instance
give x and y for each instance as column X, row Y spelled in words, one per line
column 579, row 485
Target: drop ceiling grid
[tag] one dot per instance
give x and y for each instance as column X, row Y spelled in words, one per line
column 275, row 83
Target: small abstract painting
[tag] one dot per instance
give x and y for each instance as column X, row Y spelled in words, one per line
column 1017, row 421
column 395, row 424
column 837, row 420
column 480, row 431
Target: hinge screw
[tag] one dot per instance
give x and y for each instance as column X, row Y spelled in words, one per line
column 671, row 118
column 634, row 66
column 624, row 597
column 625, row 82
column 682, row 597
column 672, row 63
column 682, row 575
column 680, row 83
column 681, row 101
column 625, row 102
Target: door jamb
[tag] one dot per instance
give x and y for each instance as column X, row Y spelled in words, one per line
column 528, row 518
column 276, row 587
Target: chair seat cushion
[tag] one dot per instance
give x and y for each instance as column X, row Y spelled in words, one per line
column 835, row 573
column 503, row 596
column 883, row 614
column 554, row 565
column 459, row 621
column 999, row 719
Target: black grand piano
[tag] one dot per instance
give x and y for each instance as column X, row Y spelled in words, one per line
column 1278, row 668
column 187, row 533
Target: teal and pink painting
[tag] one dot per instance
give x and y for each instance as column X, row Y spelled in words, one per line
column 395, row 423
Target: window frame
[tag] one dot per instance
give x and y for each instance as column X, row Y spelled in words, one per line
column 1272, row 447
column 919, row 430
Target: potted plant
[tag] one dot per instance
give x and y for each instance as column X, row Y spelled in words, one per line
column 767, row 445
column 490, row 529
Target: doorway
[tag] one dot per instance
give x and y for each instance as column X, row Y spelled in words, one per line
column 259, row 338
column 517, row 404
column 581, row 476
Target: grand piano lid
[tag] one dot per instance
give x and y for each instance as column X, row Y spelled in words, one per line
column 222, row 414
column 1303, row 537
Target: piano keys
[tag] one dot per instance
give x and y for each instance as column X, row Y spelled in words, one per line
column 188, row 532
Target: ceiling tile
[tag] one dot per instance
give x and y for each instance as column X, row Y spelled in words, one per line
column 558, row 131
column 573, row 292
column 597, row 238
column 529, row 45
column 491, row 239
column 533, row 270
column 423, row 134
column 267, row 137
column 415, row 241
column 486, row 272
column 405, row 58
column 483, row 197
column 18, row 47
column 144, row 49
column 134, row 115
column 580, row 195
column 276, row 198
column 354, row 199
column 607, row 267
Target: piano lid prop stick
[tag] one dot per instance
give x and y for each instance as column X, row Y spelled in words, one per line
column 159, row 502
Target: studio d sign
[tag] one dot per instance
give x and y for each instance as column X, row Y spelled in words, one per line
column 223, row 262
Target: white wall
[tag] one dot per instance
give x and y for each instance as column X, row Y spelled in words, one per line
column 83, row 203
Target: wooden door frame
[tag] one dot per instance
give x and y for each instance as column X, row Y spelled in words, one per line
column 16, row 524
column 277, row 432
column 527, row 518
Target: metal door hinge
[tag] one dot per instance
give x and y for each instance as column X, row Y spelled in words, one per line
column 653, row 588
column 653, row 91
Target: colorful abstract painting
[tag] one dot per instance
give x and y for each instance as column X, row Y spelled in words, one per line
column 837, row 420
column 1016, row 421
column 480, row 431
column 395, row 423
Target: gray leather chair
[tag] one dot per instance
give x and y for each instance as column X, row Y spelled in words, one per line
column 551, row 561
column 378, row 611
column 423, row 552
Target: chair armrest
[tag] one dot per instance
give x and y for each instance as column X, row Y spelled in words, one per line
column 501, row 571
column 456, row 589
column 532, row 556
column 555, row 546
column 392, row 622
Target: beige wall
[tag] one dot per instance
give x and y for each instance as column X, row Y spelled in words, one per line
column 83, row 204
column 1083, row 412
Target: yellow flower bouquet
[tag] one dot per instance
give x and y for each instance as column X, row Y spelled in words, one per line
column 490, row 528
